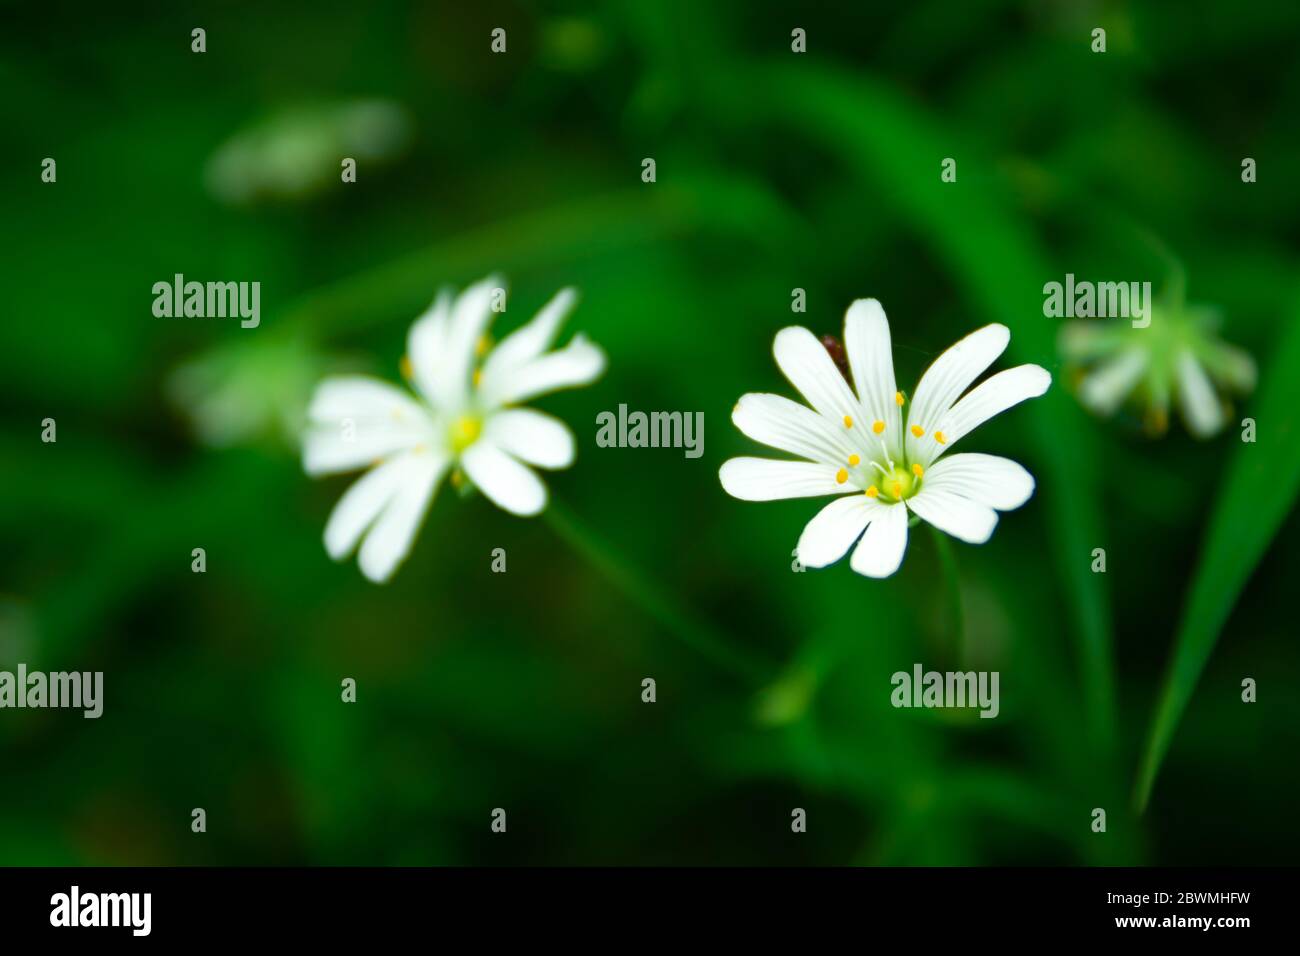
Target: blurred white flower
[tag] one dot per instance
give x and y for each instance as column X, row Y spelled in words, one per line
column 1177, row 357
column 461, row 419
column 249, row 389
column 862, row 443
column 296, row 152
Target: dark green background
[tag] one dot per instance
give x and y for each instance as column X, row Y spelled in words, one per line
column 522, row 690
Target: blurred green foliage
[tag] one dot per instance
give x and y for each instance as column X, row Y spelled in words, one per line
column 521, row 690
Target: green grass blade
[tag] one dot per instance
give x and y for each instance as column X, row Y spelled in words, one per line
column 1264, row 478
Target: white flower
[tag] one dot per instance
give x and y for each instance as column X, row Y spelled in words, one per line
column 864, row 444
column 1177, row 357
column 460, row 418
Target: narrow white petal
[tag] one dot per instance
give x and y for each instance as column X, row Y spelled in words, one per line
column 832, row 531
column 871, row 360
column 531, row 436
column 469, row 321
column 360, row 397
column 578, row 363
column 1201, row 408
column 808, row 366
column 361, row 504
column 527, row 342
column 880, row 552
column 780, row 423
column 426, row 343
column 330, row 449
column 509, row 484
column 999, row 483
column 763, row 479
column 945, row 380
column 991, row 397
column 960, row 517
column 389, row 541
column 354, row 420
column 1106, row 386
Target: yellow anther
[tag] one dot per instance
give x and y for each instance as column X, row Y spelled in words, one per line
column 408, row 371
column 918, row 471
column 898, row 490
column 853, row 461
column 938, row 436
column 878, row 427
column 872, row 491
column 898, row 397
column 918, row 431
column 848, row 421
column 841, row 476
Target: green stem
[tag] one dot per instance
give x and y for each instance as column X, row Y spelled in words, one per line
column 739, row 663
column 952, row 582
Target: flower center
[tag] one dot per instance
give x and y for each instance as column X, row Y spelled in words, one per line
column 896, row 484
column 464, row 432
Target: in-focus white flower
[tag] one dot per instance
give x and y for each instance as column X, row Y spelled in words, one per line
column 876, row 450
column 463, row 419
column 1177, row 357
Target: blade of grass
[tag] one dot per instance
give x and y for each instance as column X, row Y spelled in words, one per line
column 1264, row 478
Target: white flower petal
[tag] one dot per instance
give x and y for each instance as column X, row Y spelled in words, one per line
column 578, row 363
column 531, row 436
column 526, row 343
column 999, row 483
column 509, row 484
column 960, row 517
column 360, row 397
column 355, row 420
column 361, row 504
column 763, row 479
column 808, row 366
column 1200, row 405
column 469, row 321
column 880, row 552
column 944, row 381
column 833, row 530
column 871, row 360
column 389, row 541
column 426, row 343
column 1106, row 386
column 991, row 397
column 780, row 423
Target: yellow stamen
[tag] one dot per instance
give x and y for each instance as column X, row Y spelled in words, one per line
column 938, row 436
column 841, row 476
column 872, row 491
column 898, row 397
column 918, row 471
column 853, row 461
column 918, row 431
column 408, row 372
column 898, row 490
column 848, row 421
column 878, row 427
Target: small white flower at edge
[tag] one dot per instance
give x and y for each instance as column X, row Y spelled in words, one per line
column 461, row 417
column 882, row 459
